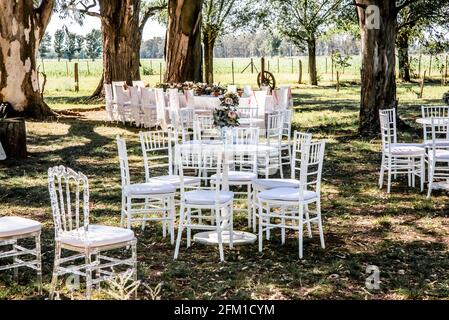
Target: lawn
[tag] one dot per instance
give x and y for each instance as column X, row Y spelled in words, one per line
column 403, row 234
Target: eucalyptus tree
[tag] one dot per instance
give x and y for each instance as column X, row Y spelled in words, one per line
column 22, row 28
column 378, row 21
column 222, row 17
column 122, row 24
column 183, row 53
column 304, row 21
column 58, row 43
column 93, row 44
column 45, row 46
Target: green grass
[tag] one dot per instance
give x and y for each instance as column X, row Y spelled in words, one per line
column 403, row 234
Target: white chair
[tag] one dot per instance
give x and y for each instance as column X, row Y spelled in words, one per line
column 173, row 103
column 142, row 199
column 399, row 158
column 286, row 143
column 158, row 155
column 284, row 98
column 242, row 164
column 190, row 99
column 259, row 100
column 13, row 229
column 437, row 112
column 135, row 103
column 148, row 108
column 186, row 119
column 110, row 103
column 114, row 85
column 438, row 157
column 123, row 105
column 215, row 198
column 274, row 139
column 139, row 84
column 294, row 203
column 69, row 195
column 161, row 108
column 204, row 128
column 301, row 140
column 232, row 89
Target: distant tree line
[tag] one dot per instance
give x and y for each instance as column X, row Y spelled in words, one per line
column 68, row 45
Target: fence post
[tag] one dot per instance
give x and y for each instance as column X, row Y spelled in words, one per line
column 445, row 71
column 279, row 69
column 67, row 67
column 233, row 76
column 326, row 65
column 88, row 69
column 293, row 66
column 338, row 81
column 430, row 66
column 160, row 72
column 300, row 72
column 77, row 83
column 252, row 66
column 268, row 65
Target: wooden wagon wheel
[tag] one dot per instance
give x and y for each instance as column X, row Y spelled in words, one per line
column 268, row 80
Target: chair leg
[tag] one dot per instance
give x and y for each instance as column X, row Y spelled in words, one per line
column 268, row 231
column 231, row 227
column 382, row 172
column 122, row 217
column 301, row 231
column 134, row 259
column 248, row 203
column 180, row 230
column 220, row 237
column 423, row 173
column 389, row 176
column 431, row 174
column 88, row 261
column 189, row 230
column 128, row 212
column 39, row 262
column 172, row 219
column 54, row 278
column 260, row 227
column 320, row 224
column 283, row 226
column 309, row 227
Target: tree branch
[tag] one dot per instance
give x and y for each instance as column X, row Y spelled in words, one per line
column 43, row 13
column 149, row 12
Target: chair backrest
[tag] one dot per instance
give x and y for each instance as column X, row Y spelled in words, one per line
column 157, row 149
column 248, row 113
column 173, row 101
column 274, row 128
column 247, row 91
column 311, row 167
column 121, row 96
column 134, row 96
column 160, row 104
column 186, row 118
column 114, row 84
column 387, row 118
column 438, row 128
column 203, row 163
column 284, row 98
column 232, row 88
column 108, row 95
column 287, row 119
column 204, row 128
column 139, row 84
column 69, row 196
column 242, row 135
column 439, row 134
column 123, row 160
column 301, row 142
column 148, row 97
column 435, row 112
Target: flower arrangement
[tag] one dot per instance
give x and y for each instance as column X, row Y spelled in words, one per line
column 226, row 115
column 446, row 98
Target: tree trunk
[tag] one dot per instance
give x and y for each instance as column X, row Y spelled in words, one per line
column 183, row 56
column 378, row 89
column 209, row 43
column 311, row 45
column 13, row 137
column 22, row 27
column 122, row 38
column 402, row 42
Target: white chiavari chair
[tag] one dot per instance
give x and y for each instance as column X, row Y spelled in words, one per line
column 110, row 103
column 204, row 128
column 123, row 105
column 136, row 110
column 274, row 139
column 148, row 108
column 173, row 103
column 293, row 203
column 437, row 112
column 140, row 200
column 206, row 201
column 161, row 108
column 114, row 84
column 399, row 158
column 69, row 194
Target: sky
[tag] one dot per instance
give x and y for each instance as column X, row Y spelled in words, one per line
column 152, row 28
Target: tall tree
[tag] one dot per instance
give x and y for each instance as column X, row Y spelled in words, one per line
column 22, row 27
column 79, row 45
column 93, row 44
column 413, row 21
column 45, row 46
column 221, row 17
column 304, row 21
column 58, row 43
column 122, row 24
column 183, row 54
column 69, row 44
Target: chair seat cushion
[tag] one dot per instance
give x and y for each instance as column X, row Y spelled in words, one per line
column 407, row 149
column 239, row 176
column 440, row 155
column 286, row 194
column 267, row 184
column 437, row 143
column 15, row 226
column 149, row 188
column 207, row 197
column 175, row 180
column 96, row 236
